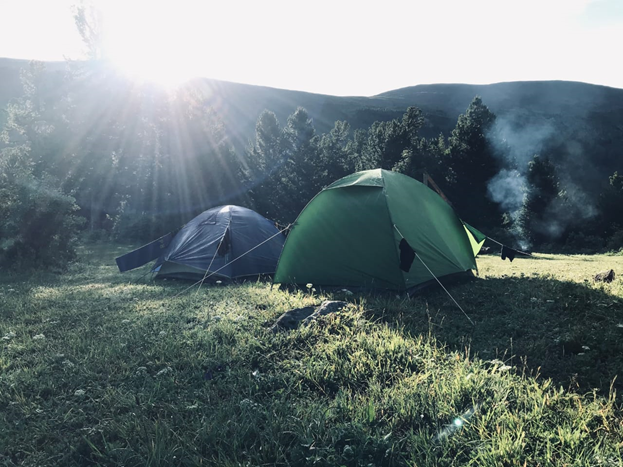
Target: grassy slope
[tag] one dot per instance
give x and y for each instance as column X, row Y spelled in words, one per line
column 127, row 374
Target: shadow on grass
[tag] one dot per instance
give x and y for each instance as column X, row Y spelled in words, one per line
column 563, row 330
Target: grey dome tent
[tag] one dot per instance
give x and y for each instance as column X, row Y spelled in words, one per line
column 221, row 241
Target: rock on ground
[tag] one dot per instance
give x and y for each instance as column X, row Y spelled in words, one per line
column 293, row 318
column 605, row 276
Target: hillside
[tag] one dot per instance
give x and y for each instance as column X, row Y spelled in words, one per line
column 580, row 126
column 442, row 103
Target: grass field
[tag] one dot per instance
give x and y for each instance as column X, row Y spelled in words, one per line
column 98, row 368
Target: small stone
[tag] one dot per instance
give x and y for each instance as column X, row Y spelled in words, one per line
column 291, row 319
column 605, row 276
column 164, row 371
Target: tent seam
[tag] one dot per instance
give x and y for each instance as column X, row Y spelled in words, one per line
column 391, row 227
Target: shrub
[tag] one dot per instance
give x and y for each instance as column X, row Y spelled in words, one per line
column 38, row 225
column 578, row 242
column 615, row 242
column 130, row 225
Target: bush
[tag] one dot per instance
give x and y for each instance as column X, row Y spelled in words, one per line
column 130, row 225
column 38, row 225
column 580, row 243
column 615, row 242
column 97, row 235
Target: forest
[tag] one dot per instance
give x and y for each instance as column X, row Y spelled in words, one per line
column 89, row 153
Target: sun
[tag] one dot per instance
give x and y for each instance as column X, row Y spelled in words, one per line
column 150, row 43
column 145, row 66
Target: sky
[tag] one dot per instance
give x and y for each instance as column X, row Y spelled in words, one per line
column 339, row 47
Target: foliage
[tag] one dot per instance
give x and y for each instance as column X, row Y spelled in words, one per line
column 470, row 163
column 610, row 205
column 543, row 200
column 148, row 160
column 99, row 369
column 38, row 222
column 88, row 20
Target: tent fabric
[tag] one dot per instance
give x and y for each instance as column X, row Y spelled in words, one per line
column 144, row 254
column 214, row 239
column 476, row 237
column 219, row 239
column 350, row 234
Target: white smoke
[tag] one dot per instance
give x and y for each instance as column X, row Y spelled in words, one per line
column 516, row 142
column 508, row 189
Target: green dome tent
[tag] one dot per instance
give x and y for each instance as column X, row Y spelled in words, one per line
column 361, row 231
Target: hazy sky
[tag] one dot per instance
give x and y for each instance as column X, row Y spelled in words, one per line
column 339, row 47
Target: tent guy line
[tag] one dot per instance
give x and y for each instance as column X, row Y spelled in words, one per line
column 438, row 281
column 218, row 248
column 232, row 261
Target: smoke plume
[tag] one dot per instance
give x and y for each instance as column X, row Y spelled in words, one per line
column 516, row 143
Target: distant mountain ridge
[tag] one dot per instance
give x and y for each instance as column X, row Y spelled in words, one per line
column 580, row 124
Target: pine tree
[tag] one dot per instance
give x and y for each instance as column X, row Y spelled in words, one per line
column 262, row 166
column 469, row 163
column 543, row 199
column 38, row 225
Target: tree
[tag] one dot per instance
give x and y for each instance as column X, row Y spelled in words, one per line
column 263, row 164
column 386, row 143
column 88, row 20
column 470, row 162
column 38, row 225
column 335, row 159
column 544, row 197
column 298, row 176
column 359, row 155
column 424, row 156
column 610, row 206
